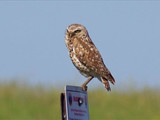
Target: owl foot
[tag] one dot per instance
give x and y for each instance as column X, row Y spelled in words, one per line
column 84, row 87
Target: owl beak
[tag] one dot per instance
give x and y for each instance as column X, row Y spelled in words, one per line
column 70, row 35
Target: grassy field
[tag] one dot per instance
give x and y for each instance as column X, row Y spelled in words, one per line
column 25, row 102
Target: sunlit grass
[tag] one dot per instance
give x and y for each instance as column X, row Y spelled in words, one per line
column 144, row 104
column 25, row 102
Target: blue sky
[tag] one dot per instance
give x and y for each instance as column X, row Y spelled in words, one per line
column 127, row 35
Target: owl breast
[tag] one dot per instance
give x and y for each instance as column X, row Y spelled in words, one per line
column 80, row 66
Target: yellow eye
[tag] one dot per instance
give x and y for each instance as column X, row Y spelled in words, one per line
column 77, row 31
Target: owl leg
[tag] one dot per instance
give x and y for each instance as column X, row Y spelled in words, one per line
column 84, row 85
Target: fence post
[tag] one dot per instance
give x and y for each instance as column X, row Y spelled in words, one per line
column 63, row 106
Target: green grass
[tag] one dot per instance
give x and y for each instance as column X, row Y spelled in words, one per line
column 25, row 102
column 143, row 105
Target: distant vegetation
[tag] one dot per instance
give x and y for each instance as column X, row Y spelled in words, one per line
column 26, row 102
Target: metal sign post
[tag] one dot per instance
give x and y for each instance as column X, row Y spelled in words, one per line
column 74, row 104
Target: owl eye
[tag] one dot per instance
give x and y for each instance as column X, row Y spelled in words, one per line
column 77, row 31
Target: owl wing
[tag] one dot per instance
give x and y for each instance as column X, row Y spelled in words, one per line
column 89, row 56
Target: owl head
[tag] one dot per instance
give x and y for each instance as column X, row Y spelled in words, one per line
column 76, row 30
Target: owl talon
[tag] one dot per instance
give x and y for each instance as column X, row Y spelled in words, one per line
column 84, row 88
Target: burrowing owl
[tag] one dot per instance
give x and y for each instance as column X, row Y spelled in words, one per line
column 85, row 56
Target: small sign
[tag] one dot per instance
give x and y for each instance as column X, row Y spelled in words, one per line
column 76, row 103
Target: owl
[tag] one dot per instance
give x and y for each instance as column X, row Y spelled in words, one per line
column 86, row 57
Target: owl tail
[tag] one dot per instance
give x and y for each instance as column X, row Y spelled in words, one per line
column 105, row 81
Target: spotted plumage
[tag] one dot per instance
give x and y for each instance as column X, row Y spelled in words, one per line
column 85, row 56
